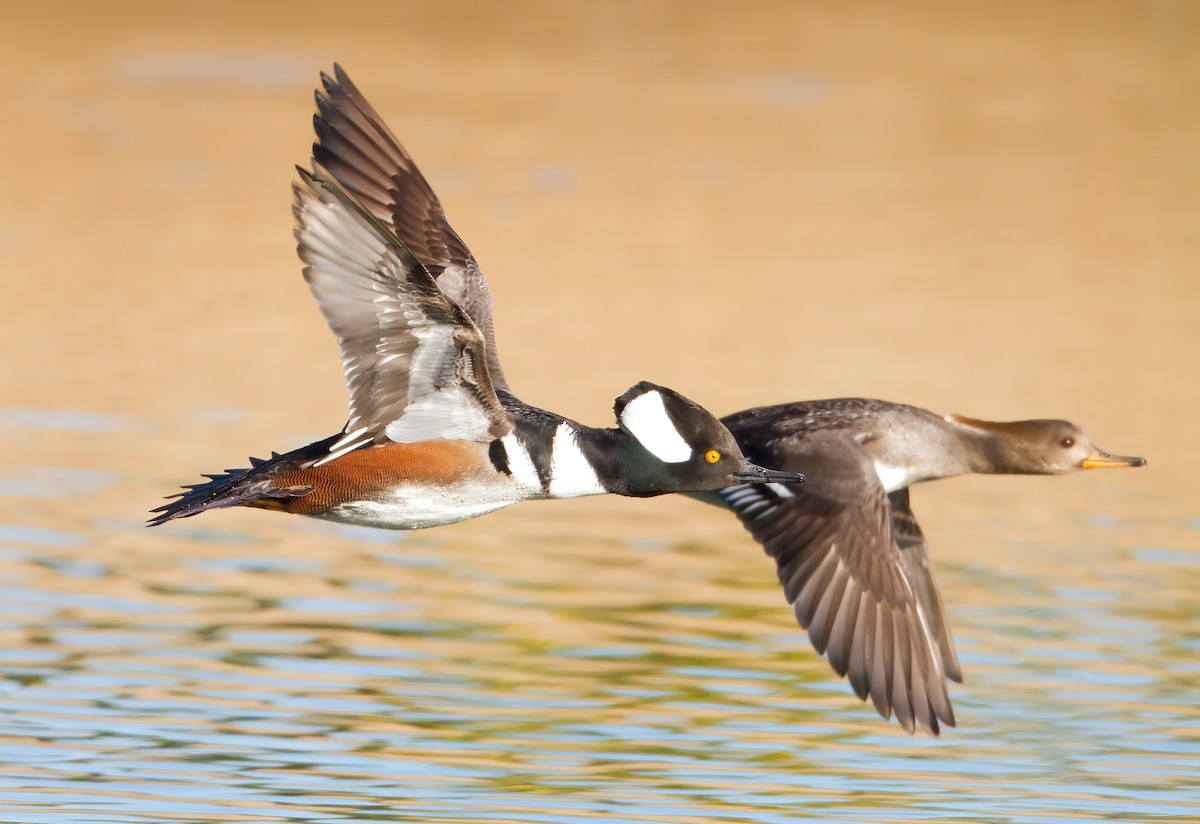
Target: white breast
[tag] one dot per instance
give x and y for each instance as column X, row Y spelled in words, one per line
column 894, row 478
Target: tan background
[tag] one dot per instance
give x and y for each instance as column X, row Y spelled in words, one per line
column 987, row 208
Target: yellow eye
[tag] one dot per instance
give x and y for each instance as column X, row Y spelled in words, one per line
column 712, row 456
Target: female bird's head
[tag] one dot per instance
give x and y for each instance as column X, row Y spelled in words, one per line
column 1044, row 447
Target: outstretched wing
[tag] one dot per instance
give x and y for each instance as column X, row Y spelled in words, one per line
column 918, row 568
column 361, row 153
column 835, row 549
column 414, row 362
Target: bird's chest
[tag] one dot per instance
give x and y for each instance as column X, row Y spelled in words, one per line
column 550, row 464
column 905, row 459
column 895, row 477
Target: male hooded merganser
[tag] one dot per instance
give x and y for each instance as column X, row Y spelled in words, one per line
column 850, row 555
column 434, row 434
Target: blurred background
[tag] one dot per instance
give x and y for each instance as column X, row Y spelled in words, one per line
column 989, row 208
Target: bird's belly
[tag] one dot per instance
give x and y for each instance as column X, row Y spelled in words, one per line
column 411, row 506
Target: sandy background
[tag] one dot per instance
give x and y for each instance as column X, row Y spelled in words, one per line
column 992, row 210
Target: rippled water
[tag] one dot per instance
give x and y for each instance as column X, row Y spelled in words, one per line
column 750, row 206
column 252, row 667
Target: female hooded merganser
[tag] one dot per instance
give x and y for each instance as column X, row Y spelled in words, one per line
column 434, row 435
column 850, row 555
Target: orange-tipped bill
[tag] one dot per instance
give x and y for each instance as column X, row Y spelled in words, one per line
column 1102, row 460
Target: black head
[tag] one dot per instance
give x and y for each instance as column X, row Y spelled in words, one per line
column 681, row 446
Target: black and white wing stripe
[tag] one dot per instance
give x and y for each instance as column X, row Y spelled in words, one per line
column 842, row 571
column 361, row 153
column 414, row 362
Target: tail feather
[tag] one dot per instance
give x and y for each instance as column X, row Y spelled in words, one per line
column 239, row 487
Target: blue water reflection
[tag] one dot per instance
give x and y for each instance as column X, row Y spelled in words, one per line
column 265, row 669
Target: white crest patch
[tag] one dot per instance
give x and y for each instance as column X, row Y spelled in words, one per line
column 520, row 464
column 571, row 474
column 646, row 419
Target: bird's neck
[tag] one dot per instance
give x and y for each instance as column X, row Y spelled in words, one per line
column 923, row 447
column 623, row 464
column 991, row 447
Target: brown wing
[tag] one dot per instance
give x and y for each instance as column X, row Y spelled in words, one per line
column 837, row 558
column 918, row 567
column 361, row 153
column 414, row 362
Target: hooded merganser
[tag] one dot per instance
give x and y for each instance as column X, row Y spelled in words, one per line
column 434, row 435
column 847, row 539
column 850, row 555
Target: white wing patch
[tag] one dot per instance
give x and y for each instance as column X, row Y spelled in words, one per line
column 571, row 473
column 646, row 419
column 451, row 414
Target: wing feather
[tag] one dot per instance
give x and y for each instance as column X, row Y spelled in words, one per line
column 918, row 568
column 360, row 152
column 847, row 579
column 413, row 360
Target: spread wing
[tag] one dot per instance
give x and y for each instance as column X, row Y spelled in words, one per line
column 835, row 549
column 361, row 153
column 918, row 568
column 414, row 362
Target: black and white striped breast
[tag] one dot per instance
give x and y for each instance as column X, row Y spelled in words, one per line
column 547, row 456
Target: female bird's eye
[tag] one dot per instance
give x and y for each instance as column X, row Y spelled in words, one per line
column 1068, row 443
column 712, row 456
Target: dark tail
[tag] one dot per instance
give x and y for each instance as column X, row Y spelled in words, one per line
column 240, row 487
